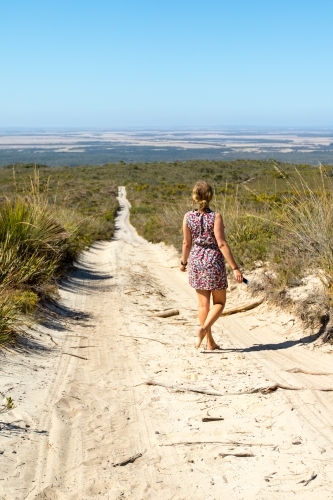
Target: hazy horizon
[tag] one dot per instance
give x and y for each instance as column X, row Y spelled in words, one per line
column 73, row 146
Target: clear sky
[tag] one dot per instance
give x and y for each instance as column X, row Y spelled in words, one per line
column 123, row 63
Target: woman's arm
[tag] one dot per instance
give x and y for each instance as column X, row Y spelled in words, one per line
column 224, row 247
column 187, row 244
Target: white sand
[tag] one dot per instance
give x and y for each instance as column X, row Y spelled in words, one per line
column 85, row 416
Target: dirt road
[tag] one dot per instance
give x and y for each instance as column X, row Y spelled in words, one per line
column 87, row 426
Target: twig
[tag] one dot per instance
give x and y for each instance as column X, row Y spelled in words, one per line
column 236, row 455
column 272, row 388
column 52, row 339
column 226, row 443
column 128, row 460
column 167, row 313
column 185, row 389
column 146, row 338
column 245, row 307
column 75, row 355
column 262, row 390
column 299, row 370
column 211, row 419
column 82, row 346
column 306, row 481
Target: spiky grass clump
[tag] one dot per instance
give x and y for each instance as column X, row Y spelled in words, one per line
column 31, row 241
column 305, row 221
column 8, row 318
column 306, row 218
column 36, row 239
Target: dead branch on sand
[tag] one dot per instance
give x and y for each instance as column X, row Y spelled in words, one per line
column 184, row 389
column 236, row 455
column 262, row 390
column 226, row 443
column 52, row 339
column 75, row 356
column 245, row 307
column 129, row 460
column 212, row 419
column 299, row 370
column 82, row 346
column 145, row 338
column 306, row 481
column 167, row 313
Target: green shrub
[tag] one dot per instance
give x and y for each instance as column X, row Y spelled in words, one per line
column 8, row 318
column 250, row 238
column 26, row 301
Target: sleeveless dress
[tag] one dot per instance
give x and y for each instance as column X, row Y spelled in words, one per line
column 206, row 262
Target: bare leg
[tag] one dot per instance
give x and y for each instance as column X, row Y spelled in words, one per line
column 219, row 299
column 203, row 310
column 211, row 344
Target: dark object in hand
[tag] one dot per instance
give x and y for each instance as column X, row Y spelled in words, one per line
column 245, row 281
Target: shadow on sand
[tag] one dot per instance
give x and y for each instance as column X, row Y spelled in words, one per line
column 54, row 315
column 268, row 347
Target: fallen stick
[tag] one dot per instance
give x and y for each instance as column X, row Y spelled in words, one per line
column 306, row 481
column 167, row 313
column 128, row 460
column 236, row 455
column 75, row 355
column 262, row 390
column 245, row 307
column 272, row 388
column 226, row 443
column 184, row 389
column 299, row 370
column 52, row 339
column 145, row 338
column 82, row 346
column 212, row 419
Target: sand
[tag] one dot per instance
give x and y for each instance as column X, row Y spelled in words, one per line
column 86, row 424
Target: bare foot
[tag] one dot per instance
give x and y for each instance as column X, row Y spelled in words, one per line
column 201, row 335
column 211, row 344
column 212, row 347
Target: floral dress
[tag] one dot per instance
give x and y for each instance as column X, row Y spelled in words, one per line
column 206, row 262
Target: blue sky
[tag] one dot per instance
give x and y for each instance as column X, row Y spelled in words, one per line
column 110, row 63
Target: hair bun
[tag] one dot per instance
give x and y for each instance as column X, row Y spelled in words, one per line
column 203, row 204
column 202, row 194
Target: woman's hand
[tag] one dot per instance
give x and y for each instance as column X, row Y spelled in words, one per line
column 238, row 275
column 182, row 268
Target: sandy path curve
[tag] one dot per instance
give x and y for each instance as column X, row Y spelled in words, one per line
column 98, row 431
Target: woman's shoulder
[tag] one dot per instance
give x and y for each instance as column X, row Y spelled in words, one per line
column 190, row 213
column 213, row 213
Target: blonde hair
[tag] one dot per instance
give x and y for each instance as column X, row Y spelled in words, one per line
column 202, row 194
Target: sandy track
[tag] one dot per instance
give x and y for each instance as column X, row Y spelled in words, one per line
column 96, row 430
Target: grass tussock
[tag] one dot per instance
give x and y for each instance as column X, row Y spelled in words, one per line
column 39, row 239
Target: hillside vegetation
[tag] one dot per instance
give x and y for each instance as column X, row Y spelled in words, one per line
column 43, row 228
column 277, row 218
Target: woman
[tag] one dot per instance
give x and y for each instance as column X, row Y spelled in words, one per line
column 205, row 246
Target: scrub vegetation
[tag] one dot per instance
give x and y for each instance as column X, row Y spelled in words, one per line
column 278, row 219
column 43, row 227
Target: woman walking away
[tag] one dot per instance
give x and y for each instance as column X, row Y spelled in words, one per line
column 206, row 247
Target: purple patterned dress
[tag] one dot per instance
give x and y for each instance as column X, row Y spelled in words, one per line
column 206, row 263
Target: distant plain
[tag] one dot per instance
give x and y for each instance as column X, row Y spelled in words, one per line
column 91, row 147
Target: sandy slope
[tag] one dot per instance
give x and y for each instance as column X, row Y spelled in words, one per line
column 83, row 407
